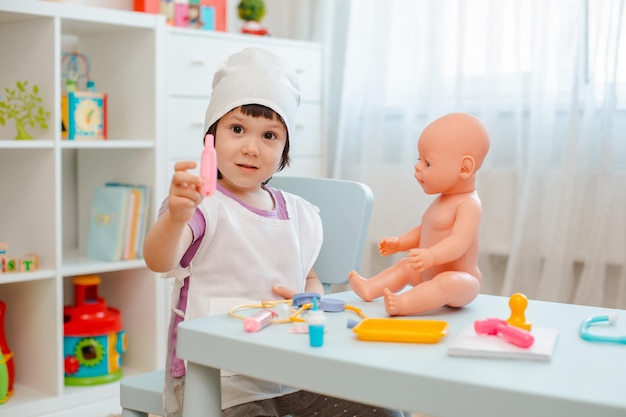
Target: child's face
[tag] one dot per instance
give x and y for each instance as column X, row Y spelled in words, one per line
column 249, row 149
column 438, row 169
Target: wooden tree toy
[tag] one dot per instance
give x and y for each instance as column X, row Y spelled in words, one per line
column 25, row 107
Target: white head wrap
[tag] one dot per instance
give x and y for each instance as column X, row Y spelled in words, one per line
column 254, row 76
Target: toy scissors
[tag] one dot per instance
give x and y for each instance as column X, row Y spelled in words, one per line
column 611, row 318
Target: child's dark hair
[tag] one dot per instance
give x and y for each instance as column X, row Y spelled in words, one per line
column 258, row 110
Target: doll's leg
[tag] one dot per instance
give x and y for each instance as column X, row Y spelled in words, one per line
column 395, row 278
column 452, row 288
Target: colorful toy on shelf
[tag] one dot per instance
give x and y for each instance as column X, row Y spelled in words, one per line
column 252, row 12
column 24, row 107
column 201, row 14
column 94, row 340
column 83, row 112
column 27, row 263
column 7, row 370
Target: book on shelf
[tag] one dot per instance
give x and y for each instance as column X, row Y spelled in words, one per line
column 118, row 222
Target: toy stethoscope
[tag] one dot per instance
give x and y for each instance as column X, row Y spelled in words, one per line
column 611, row 318
column 304, row 301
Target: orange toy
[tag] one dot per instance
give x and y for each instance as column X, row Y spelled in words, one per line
column 518, row 303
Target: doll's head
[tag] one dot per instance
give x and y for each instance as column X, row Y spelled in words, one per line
column 451, row 149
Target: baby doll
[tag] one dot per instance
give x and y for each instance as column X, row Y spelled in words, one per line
column 441, row 262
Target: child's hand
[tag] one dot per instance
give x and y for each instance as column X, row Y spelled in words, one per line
column 286, row 293
column 388, row 246
column 184, row 194
column 420, row 259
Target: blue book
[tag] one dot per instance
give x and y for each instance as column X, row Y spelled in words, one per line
column 140, row 224
column 108, row 223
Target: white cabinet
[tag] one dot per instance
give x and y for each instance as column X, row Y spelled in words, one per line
column 193, row 57
column 45, row 196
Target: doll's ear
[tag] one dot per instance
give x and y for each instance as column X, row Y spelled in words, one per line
column 468, row 166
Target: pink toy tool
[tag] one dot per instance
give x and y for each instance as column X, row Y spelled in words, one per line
column 511, row 334
column 259, row 320
column 208, row 166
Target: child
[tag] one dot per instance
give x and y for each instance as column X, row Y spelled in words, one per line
column 247, row 242
column 441, row 263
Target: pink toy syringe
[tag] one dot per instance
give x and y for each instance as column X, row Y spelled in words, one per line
column 511, row 334
column 208, row 166
column 259, row 320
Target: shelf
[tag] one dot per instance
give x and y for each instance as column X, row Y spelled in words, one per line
column 107, row 144
column 78, row 144
column 41, row 274
column 26, row 144
column 76, row 264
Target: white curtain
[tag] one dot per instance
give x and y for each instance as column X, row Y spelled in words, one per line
column 548, row 79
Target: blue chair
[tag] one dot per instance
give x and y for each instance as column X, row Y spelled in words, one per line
column 345, row 209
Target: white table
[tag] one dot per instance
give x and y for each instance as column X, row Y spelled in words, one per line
column 583, row 379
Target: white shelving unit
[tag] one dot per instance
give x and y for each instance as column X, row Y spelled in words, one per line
column 46, row 188
column 158, row 81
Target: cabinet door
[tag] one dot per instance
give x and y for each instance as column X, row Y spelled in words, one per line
column 185, row 127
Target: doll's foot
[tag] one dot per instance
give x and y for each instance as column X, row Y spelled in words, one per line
column 360, row 286
column 393, row 303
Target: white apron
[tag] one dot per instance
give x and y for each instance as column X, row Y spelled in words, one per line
column 241, row 256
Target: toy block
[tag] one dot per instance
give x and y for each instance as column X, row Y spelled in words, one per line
column 35, row 257
column 29, row 262
column 3, row 263
column 4, row 247
column 11, row 265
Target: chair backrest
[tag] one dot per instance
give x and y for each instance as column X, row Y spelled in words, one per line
column 345, row 208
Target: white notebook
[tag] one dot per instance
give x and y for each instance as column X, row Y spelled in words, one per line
column 469, row 344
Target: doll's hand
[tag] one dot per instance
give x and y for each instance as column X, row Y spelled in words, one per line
column 420, row 259
column 285, row 292
column 388, row 246
column 184, row 195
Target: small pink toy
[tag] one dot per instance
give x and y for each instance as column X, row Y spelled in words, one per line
column 259, row 320
column 208, row 166
column 511, row 334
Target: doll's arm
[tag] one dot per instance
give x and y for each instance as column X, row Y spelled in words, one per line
column 391, row 245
